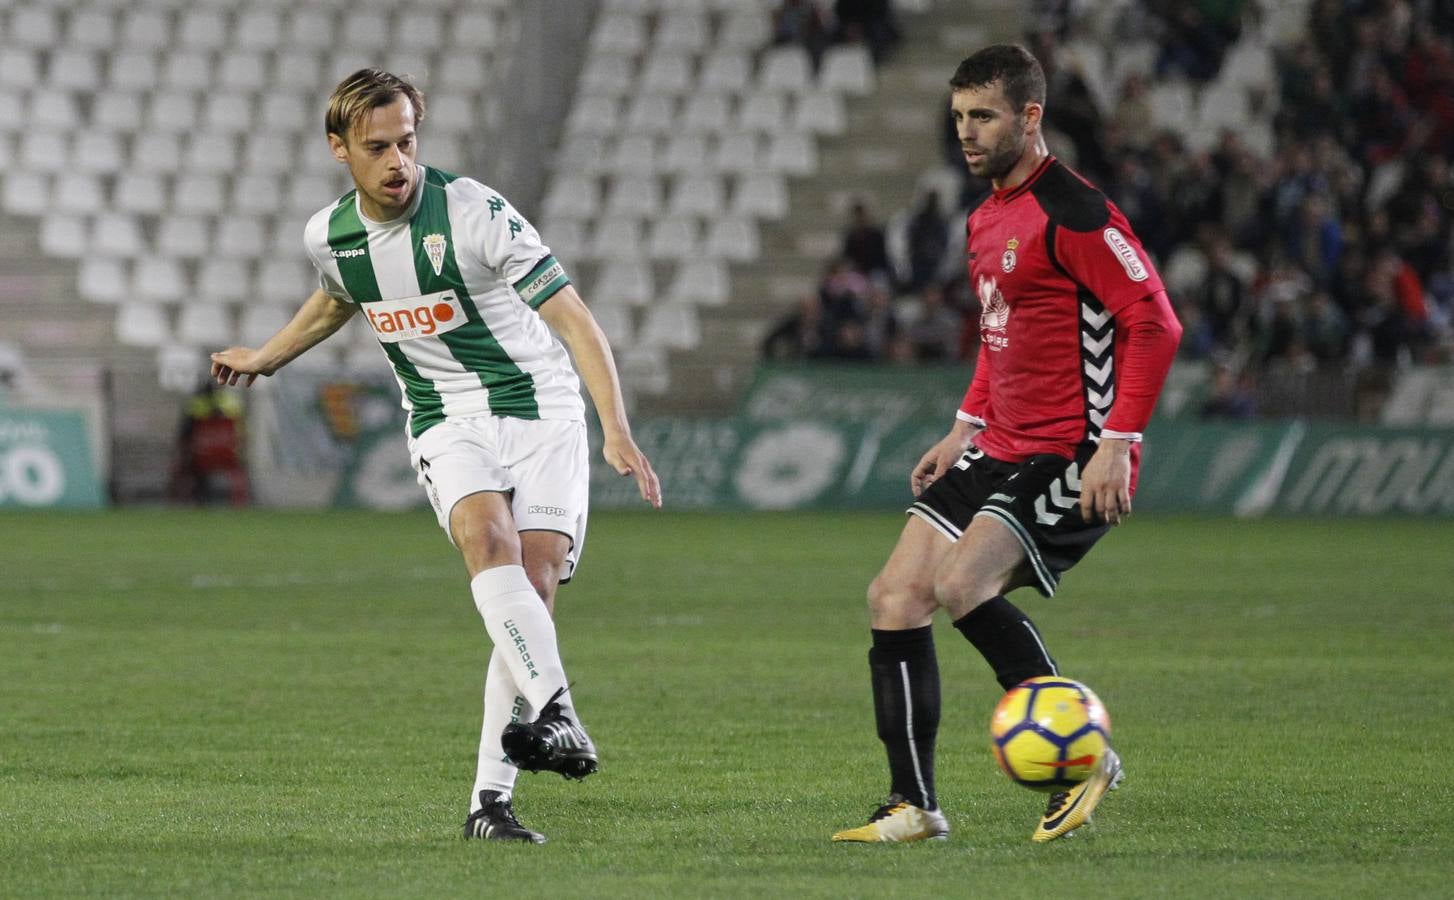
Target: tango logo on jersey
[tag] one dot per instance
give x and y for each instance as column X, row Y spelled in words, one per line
column 415, row 317
column 1130, row 261
column 994, row 314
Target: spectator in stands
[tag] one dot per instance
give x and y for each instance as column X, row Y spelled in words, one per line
column 880, row 322
column 801, row 22
column 1314, row 239
column 208, row 467
column 935, row 331
column 1194, row 44
column 869, row 22
column 863, row 243
column 799, row 335
column 928, row 240
column 1230, row 395
column 1325, row 329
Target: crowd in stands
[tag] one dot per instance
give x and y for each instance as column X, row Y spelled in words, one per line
column 1324, row 246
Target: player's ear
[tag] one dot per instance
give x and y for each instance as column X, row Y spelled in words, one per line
column 337, row 147
column 1033, row 112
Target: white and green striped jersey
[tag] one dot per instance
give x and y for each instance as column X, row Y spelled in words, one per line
column 451, row 290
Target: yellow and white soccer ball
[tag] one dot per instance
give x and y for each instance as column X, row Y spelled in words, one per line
column 1049, row 733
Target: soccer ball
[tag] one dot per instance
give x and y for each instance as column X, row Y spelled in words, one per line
column 1049, row 733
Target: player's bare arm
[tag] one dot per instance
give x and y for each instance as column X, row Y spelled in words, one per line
column 942, row 456
column 319, row 317
column 1105, row 485
column 568, row 315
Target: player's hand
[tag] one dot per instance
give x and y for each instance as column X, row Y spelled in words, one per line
column 627, row 459
column 940, row 458
column 234, row 363
column 1105, row 485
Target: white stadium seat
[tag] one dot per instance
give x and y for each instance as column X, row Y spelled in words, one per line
column 624, row 280
column 211, row 153
column 34, row 26
column 707, row 113
column 78, row 193
column 146, row 29
column 140, row 192
column 19, row 68
column 203, row 29
column 240, row 237
column 567, row 239
column 667, row 73
column 581, row 153
column 785, row 68
column 53, row 108
column 697, row 194
column 365, row 30
column 228, row 112
column 474, row 31
column 760, row 195
column 155, row 152
column 297, row 69
column 172, row 111
column 634, row 195
column 155, row 278
column 685, row 153
column 618, row 33
column 746, row 30
column 847, row 69
column 142, row 325
column 309, row 28
column 243, row 70
column 418, row 29
column 260, row 321
column 573, row 197
column 63, row 236
column 285, row 280
column 611, row 75
column 681, row 30
column 73, row 69
column 116, row 111
column 704, row 282
column 183, row 237
column 617, row 238
column 634, row 154
column 97, row 152
column 593, row 114
column 258, row 29
column 198, row 194
column 133, row 70
column 223, row 280
column 616, row 321
column 791, row 153
column 736, row 153
column 732, row 238
column 673, row 238
column 103, row 280
column 205, row 325
column 762, row 111
column 187, row 70
column 44, row 151
column 91, row 29
column 726, row 72
column 671, row 326
column 819, row 112
column 652, row 114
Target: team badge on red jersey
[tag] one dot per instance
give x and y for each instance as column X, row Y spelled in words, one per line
column 994, row 314
column 1007, row 262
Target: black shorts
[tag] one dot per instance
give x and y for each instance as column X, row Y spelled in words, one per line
column 1038, row 500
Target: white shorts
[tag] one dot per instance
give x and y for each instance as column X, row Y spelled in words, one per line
column 543, row 464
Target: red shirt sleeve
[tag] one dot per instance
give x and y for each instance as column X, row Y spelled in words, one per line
column 1108, row 261
column 1147, row 334
column 975, row 406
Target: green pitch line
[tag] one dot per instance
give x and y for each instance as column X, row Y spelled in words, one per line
column 218, row 703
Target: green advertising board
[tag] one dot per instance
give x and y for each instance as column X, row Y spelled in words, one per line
column 45, row 460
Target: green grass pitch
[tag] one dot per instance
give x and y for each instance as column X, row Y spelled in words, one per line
column 254, row 703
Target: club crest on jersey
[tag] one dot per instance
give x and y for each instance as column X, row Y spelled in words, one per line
column 434, row 246
column 994, row 314
column 415, row 317
column 1007, row 262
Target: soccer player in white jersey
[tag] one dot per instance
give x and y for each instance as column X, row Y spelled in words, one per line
column 459, row 290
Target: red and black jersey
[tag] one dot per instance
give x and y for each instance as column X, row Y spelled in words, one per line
column 1055, row 265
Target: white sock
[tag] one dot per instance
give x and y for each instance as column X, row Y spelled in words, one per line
column 520, row 626
column 503, row 705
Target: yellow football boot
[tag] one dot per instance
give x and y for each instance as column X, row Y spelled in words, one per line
column 1068, row 810
column 898, row 821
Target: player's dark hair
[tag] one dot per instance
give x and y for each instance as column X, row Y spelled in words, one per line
column 1015, row 68
column 361, row 93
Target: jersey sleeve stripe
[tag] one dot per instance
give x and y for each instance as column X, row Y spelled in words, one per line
column 542, row 283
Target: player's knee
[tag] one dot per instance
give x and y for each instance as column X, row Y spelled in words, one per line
column 955, row 589
column 893, row 599
column 486, row 537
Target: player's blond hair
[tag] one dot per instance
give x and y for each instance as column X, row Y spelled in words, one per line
column 363, row 92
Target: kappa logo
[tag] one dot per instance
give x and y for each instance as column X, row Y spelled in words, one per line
column 350, row 254
column 546, row 511
column 1130, row 261
column 415, row 317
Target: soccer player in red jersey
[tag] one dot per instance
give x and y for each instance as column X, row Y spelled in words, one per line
column 1077, row 337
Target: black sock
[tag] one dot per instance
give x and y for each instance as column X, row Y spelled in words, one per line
column 906, row 708
column 1008, row 641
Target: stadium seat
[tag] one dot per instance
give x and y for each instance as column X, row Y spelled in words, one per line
column 256, row 194
column 617, row 238
column 308, row 193
column 366, row 30
column 681, row 30
column 155, row 152
column 52, row 108
column 297, row 69
column 34, row 26
column 172, row 112
column 144, row 193
column 617, row 32
column 27, row 193
column 183, row 237
column 593, row 114
column 634, row 195
column 310, row 28
column 447, row 152
column 73, row 69
column 673, row 238
column 582, row 154
column 44, row 151
column 567, row 239
column 258, row 29
column 146, row 29
column 202, row 29
column 573, row 197
column 76, row 192
column 644, row 369
column 474, row 30
column 260, row 321
column 223, row 280
column 792, row 154
column 287, row 112
column 626, row 280
column 726, row 72
column 707, row 113
column 102, row 280
column 671, row 326
column 205, row 325
column 685, row 153
column 847, row 69
column 91, row 29
column 132, row 70
column 762, row 111
column 732, row 238
column 142, row 325
column 697, row 194
column 117, row 111
column 819, row 112
column 760, row 195
column 652, row 114
column 154, row 279
column 704, row 282
column 19, row 68
column 285, row 280
column 239, row 237
column 745, row 30
column 63, row 236
column 634, row 154
column 211, row 153
column 785, row 68
column 97, row 152
column 616, row 321
column 228, row 112
column 463, row 72
column 609, row 75
column 1172, row 106
column 736, row 153
column 187, row 70
column 666, row 73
